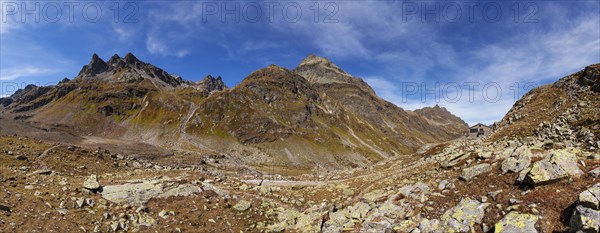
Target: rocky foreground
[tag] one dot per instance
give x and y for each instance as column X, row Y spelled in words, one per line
column 512, row 185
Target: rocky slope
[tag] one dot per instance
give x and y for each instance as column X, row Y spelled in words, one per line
column 571, row 112
column 315, row 115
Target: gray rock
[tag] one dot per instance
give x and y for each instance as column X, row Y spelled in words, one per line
column 463, row 216
column 91, row 183
column 429, row 226
column 40, row 172
column 559, row 164
column 62, row 211
column 359, row 210
column 494, row 194
column 516, row 222
column 590, row 197
column 585, row 219
column 138, row 193
column 144, row 219
column 163, row 214
column 471, row 172
column 523, row 175
column 453, row 159
column 517, row 164
column 242, row 205
column 595, row 172
column 442, row 185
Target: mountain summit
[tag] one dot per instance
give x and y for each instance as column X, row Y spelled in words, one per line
column 320, row 70
column 128, row 69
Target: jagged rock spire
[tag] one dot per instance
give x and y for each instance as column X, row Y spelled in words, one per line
column 96, row 66
column 210, row 83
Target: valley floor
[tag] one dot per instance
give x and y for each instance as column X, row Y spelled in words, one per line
column 59, row 187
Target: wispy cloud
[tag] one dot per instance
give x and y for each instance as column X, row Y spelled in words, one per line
column 157, row 46
column 24, row 71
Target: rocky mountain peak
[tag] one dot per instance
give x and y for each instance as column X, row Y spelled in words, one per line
column 210, row 83
column 320, row 70
column 130, row 59
column 318, row 62
column 114, row 59
column 441, row 116
column 128, row 69
column 96, row 66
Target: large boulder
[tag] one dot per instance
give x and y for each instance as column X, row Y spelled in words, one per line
column 559, row 164
column 591, row 197
column 517, row 163
column 473, row 171
column 517, row 222
column 464, row 216
column 138, row 192
column 586, row 217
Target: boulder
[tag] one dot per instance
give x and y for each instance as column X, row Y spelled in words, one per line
column 516, row 164
column 139, row 192
column 595, row 172
column 585, row 220
column 242, row 205
column 358, row 211
column 591, row 197
column 516, row 222
column 473, row 171
column 559, row 164
column 453, row 159
column 135, row 194
column 91, row 183
column 464, row 216
column 586, row 217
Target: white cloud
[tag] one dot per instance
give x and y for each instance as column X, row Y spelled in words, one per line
column 24, row 71
column 123, row 34
column 182, row 53
column 155, row 46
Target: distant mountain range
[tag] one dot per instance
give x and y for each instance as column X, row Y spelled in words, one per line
column 313, row 115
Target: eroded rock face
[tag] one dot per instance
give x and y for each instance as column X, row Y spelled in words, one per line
column 517, row 222
column 464, row 216
column 557, row 165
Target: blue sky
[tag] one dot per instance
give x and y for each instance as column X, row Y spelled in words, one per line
column 457, row 54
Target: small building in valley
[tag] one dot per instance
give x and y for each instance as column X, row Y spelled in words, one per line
column 479, row 130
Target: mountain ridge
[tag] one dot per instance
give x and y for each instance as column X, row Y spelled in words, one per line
column 314, row 113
